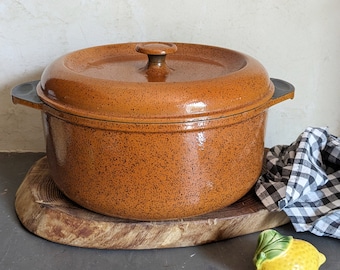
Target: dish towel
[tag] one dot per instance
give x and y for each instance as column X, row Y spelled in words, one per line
column 303, row 179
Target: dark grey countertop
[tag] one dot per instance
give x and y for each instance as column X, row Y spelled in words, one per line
column 20, row 249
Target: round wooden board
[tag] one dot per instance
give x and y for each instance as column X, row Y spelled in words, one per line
column 47, row 213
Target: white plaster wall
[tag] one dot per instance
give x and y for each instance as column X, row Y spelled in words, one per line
column 296, row 40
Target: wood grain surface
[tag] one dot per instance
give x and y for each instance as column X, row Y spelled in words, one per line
column 47, row 213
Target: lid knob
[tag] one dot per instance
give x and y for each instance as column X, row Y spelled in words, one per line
column 156, row 69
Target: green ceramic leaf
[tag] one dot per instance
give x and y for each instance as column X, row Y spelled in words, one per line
column 270, row 245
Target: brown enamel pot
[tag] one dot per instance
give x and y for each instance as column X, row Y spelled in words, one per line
column 154, row 131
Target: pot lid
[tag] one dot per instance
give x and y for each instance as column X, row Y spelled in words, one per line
column 155, row 82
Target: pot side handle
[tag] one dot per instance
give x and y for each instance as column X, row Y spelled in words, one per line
column 283, row 90
column 26, row 94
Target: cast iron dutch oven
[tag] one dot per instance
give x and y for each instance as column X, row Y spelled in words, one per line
column 133, row 135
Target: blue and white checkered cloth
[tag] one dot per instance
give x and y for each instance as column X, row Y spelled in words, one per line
column 303, row 179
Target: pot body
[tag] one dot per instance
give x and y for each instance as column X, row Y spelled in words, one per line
column 153, row 171
column 155, row 139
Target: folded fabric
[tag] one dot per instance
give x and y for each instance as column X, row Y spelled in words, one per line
column 303, row 179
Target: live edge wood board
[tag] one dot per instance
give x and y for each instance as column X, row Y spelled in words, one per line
column 47, row 213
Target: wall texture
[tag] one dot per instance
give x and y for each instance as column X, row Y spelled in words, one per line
column 296, row 40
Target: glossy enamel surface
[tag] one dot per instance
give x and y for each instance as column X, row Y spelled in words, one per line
column 155, row 174
column 155, row 131
column 110, row 83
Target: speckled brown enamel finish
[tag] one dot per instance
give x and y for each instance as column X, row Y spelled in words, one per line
column 180, row 140
column 110, row 83
column 155, row 173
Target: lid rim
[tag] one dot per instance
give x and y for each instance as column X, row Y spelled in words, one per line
column 179, row 119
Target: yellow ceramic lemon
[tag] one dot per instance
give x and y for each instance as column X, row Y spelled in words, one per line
column 277, row 252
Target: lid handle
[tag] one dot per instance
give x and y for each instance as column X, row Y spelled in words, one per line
column 156, row 69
